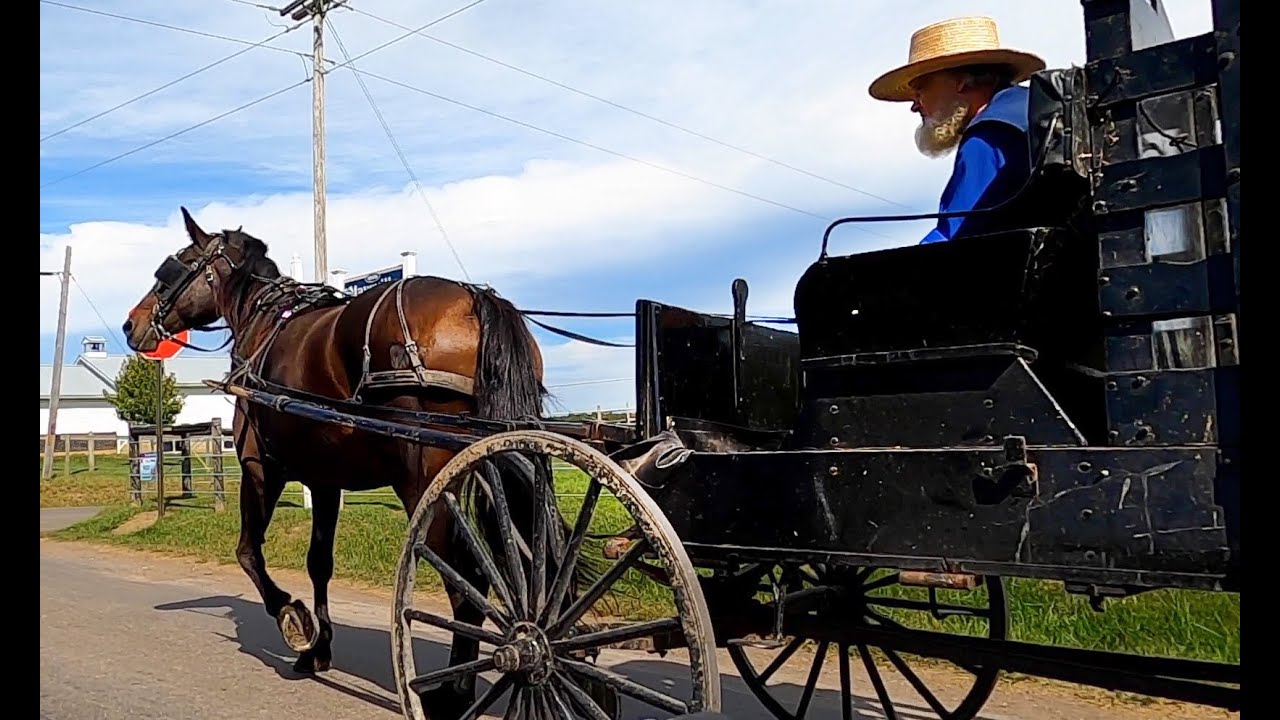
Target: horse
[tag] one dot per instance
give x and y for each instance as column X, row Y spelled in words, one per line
column 423, row 343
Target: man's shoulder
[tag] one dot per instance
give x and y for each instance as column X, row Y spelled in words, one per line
column 1009, row 107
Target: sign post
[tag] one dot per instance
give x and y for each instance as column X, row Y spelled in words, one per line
column 160, row 438
column 166, row 350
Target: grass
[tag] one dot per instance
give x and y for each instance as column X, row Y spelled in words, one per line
column 372, row 526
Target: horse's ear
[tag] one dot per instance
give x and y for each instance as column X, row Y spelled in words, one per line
column 198, row 236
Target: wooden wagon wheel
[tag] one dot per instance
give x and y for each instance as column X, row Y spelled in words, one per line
column 538, row 637
column 860, row 591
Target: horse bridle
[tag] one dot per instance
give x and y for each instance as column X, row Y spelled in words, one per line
column 174, row 276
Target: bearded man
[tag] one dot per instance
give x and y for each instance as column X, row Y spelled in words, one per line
column 964, row 86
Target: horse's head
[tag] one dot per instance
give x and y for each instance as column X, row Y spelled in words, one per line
column 188, row 284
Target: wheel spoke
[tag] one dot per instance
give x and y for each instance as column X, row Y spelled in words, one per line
column 878, row 683
column 514, row 709
column 487, row 566
column 884, row 582
column 547, row 696
column 538, row 563
column 883, row 619
column 597, row 590
column 556, row 703
column 907, row 604
column 436, row 677
column 452, row 577
column 506, row 528
column 570, row 558
column 601, row 638
column 525, row 467
column 812, row 683
column 489, row 698
column 846, row 685
column 917, row 683
column 626, row 686
column 580, row 697
column 779, row 661
column 461, row 628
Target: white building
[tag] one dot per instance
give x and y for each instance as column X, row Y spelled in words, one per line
column 82, row 409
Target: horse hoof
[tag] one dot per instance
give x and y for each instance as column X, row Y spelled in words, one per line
column 307, row 664
column 298, row 627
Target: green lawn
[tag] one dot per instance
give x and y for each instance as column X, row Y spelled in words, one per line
column 372, row 527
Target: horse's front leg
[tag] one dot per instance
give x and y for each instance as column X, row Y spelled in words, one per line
column 260, row 489
column 324, row 526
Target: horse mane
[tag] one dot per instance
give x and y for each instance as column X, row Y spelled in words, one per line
column 254, row 263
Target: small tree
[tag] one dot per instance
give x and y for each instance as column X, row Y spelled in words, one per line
column 135, row 396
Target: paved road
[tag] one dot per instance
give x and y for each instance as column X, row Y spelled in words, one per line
column 52, row 519
column 141, row 636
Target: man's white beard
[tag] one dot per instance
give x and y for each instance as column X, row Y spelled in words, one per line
column 939, row 134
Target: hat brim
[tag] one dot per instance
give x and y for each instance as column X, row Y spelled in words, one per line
column 895, row 85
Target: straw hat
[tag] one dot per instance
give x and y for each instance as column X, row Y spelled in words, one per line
column 949, row 44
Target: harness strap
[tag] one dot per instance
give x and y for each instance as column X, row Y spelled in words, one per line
column 418, row 373
column 410, row 345
column 368, row 330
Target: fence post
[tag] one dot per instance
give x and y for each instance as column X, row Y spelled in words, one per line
column 186, row 466
column 93, row 465
column 219, row 491
column 66, row 455
column 135, row 472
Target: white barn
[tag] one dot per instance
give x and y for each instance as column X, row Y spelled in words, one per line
column 82, row 409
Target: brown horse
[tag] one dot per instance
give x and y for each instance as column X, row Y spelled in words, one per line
column 425, row 344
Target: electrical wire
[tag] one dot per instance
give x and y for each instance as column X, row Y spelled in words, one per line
column 400, row 153
column 171, row 136
column 105, row 325
column 166, row 26
column 633, row 111
column 171, row 83
column 590, row 145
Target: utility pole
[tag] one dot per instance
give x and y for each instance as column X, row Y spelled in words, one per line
column 55, row 387
column 316, row 10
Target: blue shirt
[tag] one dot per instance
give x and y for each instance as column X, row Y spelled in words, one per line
column 992, row 162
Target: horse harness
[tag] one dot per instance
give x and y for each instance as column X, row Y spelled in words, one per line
column 174, row 276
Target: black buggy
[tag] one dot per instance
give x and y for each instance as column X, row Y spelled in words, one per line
column 1054, row 395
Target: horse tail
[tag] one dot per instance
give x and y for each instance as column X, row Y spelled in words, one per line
column 507, row 387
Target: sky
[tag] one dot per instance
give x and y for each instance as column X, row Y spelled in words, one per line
column 577, row 155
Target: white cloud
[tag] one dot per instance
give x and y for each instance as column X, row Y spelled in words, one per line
column 524, row 210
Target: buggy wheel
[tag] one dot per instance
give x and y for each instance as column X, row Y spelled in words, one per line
column 541, row 645
column 828, row 597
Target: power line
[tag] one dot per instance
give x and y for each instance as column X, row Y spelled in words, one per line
column 169, row 27
column 257, row 5
column 171, row 83
column 630, row 110
column 171, row 136
column 588, row 144
column 403, row 161
column 242, row 107
column 395, row 40
column 591, row 382
column 585, row 144
column 105, row 325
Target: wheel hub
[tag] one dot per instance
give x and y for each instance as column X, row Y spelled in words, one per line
column 526, row 651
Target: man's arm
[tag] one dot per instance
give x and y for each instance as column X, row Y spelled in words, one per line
column 978, row 160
